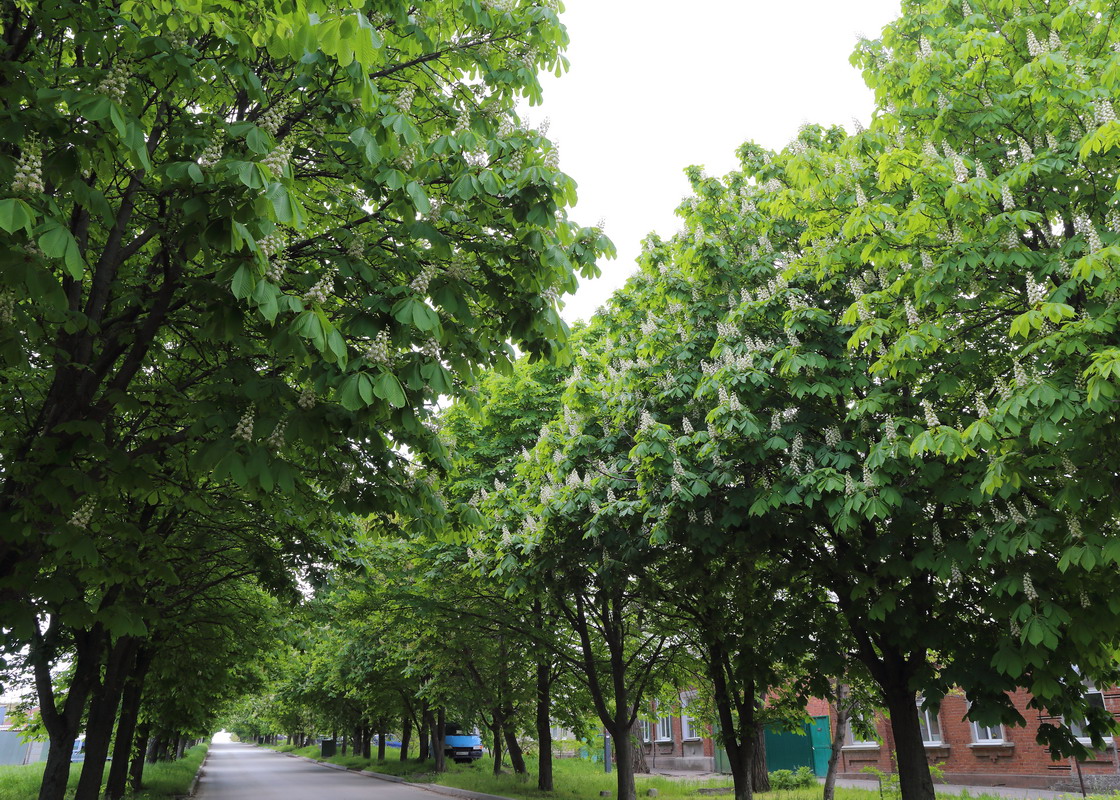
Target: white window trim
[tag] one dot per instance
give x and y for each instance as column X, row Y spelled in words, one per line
column 925, row 715
column 669, row 720
column 688, row 723
column 858, row 744
column 645, row 727
column 975, row 726
column 1109, row 741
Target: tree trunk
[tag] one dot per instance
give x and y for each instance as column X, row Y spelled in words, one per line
column 496, row 738
column 914, row 780
column 544, row 723
column 104, row 703
column 439, row 739
column 406, row 735
column 516, row 757
column 623, row 762
column 62, row 726
column 136, row 771
column 180, row 747
column 736, row 713
column 639, row 751
column 760, row 777
column 842, row 716
column 126, row 726
column 426, row 733
column 382, row 724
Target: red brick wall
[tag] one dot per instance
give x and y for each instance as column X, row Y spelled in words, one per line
column 1018, row 761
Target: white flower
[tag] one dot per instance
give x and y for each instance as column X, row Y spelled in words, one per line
column 1025, row 151
column 849, row 485
column 277, row 160
column 1007, row 198
column 927, row 261
column 322, row 290
column 981, row 406
column 244, row 429
column 28, row 178
column 275, row 439
column 213, row 152
column 924, row 48
column 832, row 436
column 686, row 426
column 419, row 284
column 708, row 517
column 1028, row 587
column 115, row 84
column 1103, row 111
column 931, row 418
column 912, row 318
column 378, row 350
column 936, row 535
column 868, row 476
column 81, row 518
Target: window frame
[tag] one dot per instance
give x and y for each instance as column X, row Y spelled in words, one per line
column 852, row 741
column 665, row 723
column 645, row 728
column 689, row 732
column 925, row 718
column 975, row 728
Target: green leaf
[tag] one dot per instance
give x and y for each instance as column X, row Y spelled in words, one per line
column 243, row 283
column 16, row 214
column 388, row 388
column 258, row 141
column 57, row 242
column 419, row 198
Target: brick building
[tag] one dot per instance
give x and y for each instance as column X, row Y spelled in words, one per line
column 973, row 754
column 677, row 741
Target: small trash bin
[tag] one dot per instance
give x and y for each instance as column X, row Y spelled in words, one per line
column 329, row 747
column 260, row 740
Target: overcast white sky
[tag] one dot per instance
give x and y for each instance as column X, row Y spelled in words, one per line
column 657, row 85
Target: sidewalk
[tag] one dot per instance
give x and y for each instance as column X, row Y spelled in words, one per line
column 956, row 788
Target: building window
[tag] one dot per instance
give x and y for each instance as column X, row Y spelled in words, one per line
column 665, row 729
column 854, row 740
column 689, row 729
column 643, row 725
column 987, row 734
column 931, row 728
column 1095, row 698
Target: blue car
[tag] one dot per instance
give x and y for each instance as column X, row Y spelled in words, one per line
column 462, row 748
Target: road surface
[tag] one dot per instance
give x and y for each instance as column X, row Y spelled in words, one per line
column 244, row 772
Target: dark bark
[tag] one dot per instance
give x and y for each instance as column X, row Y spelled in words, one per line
column 427, row 725
column 382, row 724
column 544, row 722
column 624, row 766
column 516, row 757
column 62, row 726
column 842, row 716
column 126, row 726
column 136, row 770
column 180, row 747
column 496, row 738
column 760, row 778
column 406, row 735
column 914, row 779
column 635, row 743
column 439, row 738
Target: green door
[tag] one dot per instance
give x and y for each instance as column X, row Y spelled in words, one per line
column 821, row 741
column 787, row 749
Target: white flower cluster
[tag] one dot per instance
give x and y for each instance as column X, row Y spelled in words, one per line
column 1006, row 197
column 1036, row 292
column 1016, row 631
column 927, row 261
column 275, row 439
column 500, row 6
column 912, row 317
column 942, row 101
column 861, row 198
column 272, row 119
column 832, row 436
column 277, row 160
column 115, row 84
column 403, row 101
column 213, row 152
column 960, row 170
column 244, row 429
column 849, row 485
column 1084, row 599
column 419, row 284
column 966, row 9
column 930, row 151
column 552, row 157
column 81, row 518
column 1034, row 46
column 277, row 267
column 1016, row 515
column 306, row 399
column 892, row 429
column 573, row 480
column 1028, row 587
column 955, row 572
column 1085, row 227
column 1103, row 111
column 271, row 244
column 686, row 426
column 937, row 542
column 868, row 475
column 1067, row 466
column 322, row 290
column 931, row 418
column 924, row 48
column 1025, row 152
column 982, row 406
column 28, row 178
column 981, row 171
column 1002, row 387
column 645, row 420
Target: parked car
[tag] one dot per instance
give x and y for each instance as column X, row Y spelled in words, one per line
column 391, row 740
column 463, row 748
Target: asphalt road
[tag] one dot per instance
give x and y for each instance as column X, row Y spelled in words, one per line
column 244, row 772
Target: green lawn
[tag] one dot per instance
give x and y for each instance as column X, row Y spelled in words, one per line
column 160, row 780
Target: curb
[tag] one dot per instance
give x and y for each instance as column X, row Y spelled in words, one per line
column 382, row 776
column 198, row 775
